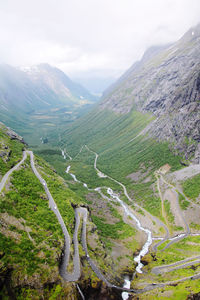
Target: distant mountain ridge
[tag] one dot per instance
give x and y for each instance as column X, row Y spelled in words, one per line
column 57, row 81
column 38, row 87
column 31, row 96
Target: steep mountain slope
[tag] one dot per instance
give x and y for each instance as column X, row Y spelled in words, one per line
column 149, row 53
column 38, row 87
column 166, row 84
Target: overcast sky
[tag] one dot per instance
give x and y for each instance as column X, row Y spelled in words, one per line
column 90, row 37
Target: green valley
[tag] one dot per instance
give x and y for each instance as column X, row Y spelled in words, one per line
column 102, row 200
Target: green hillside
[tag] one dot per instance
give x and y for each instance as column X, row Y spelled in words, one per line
column 31, row 239
column 110, row 135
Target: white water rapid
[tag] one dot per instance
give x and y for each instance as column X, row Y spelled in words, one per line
column 127, row 285
column 67, row 170
column 63, row 154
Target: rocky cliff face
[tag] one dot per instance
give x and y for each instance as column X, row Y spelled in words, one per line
column 180, row 121
column 166, row 82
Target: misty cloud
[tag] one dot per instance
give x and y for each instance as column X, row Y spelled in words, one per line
column 101, row 37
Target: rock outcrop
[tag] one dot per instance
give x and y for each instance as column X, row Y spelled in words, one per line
column 13, row 135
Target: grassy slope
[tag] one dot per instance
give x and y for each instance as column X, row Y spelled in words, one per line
column 109, row 134
column 33, row 251
column 191, row 187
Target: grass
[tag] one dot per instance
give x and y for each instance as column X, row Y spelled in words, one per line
column 119, row 230
column 26, row 201
column 183, row 202
column 43, row 123
column 170, row 217
column 62, row 195
column 169, row 213
column 178, row 251
column 195, row 226
column 177, row 292
column 109, row 134
column 37, row 256
column 191, row 187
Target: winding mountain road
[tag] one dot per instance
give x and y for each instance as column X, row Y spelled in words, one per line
column 6, row 176
column 82, row 212
column 177, row 265
column 76, row 272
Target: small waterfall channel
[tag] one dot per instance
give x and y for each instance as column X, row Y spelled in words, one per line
column 144, row 249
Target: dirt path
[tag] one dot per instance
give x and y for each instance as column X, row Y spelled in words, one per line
column 162, row 201
column 171, row 196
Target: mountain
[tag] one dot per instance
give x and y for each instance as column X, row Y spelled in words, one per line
column 31, row 96
column 57, row 81
column 142, row 141
column 136, row 66
column 164, row 84
column 38, row 87
column 124, row 184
